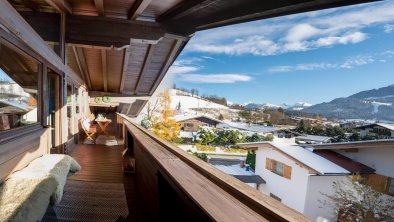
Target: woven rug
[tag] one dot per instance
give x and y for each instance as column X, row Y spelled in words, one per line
column 90, row 201
column 106, row 140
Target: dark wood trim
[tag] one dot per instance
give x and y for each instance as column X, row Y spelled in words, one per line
column 62, row 41
column 137, row 9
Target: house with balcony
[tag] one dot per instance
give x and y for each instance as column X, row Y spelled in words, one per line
column 97, row 63
column 377, row 131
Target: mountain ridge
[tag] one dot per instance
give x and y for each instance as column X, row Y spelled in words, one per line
column 374, row 104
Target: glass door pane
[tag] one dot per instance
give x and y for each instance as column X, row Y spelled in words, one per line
column 53, row 96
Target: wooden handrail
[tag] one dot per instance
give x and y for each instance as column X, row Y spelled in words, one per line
column 242, row 201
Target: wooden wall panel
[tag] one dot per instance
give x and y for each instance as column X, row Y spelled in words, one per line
column 18, row 153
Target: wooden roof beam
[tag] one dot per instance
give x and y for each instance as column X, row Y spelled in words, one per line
column 137, row 9
column 96, row 31
column 60, row 5
column 99, row 7
column 126, row 57
column 104, row 68
column 81, row 61
column 177, row 46
column 147, row 61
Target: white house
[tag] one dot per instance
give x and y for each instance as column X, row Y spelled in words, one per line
column 297, row 177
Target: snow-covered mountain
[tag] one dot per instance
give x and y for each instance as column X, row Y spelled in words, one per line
column 375, row 104
column 300, row 106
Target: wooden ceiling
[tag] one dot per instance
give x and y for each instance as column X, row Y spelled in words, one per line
column 126, row 46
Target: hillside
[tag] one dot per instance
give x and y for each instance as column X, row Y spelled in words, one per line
column 375, row 104
column 188, row 101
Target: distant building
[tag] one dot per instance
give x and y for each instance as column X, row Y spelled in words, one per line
column 249, row 129
column 312, row 139
column 192, row 123
column 377, row 131
column 286, row 133
column 297, row 177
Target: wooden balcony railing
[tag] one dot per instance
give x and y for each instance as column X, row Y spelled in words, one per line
column 175, row 185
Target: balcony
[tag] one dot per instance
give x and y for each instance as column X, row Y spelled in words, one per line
column 168, row 184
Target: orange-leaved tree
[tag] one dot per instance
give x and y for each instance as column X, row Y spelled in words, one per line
column 164, row 126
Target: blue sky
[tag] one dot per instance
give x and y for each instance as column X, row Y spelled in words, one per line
column 312, row 57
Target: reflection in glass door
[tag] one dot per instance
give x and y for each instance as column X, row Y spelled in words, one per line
column 53, row 84
column 69, row 112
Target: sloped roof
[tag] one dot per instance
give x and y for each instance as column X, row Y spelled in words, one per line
column 179, row 118
column 250, row 179
column 345, row 162
column 314, row 138
column 306, row 157
column 384, row 125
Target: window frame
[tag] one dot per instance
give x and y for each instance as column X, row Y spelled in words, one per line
column 390, row 184
column 17, row 45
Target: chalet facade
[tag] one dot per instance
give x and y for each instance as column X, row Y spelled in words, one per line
column 377, row 131
column 193, row 123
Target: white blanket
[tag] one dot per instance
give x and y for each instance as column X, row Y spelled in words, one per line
column 26, row 194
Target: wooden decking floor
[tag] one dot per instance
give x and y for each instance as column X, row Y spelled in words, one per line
column 101, row 167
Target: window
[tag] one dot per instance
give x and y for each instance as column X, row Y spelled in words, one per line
column 19, row 92
column 278, row 168
column 390, row 187
column 190, row 125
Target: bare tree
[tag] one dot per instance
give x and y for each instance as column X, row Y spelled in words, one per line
column 353, row 200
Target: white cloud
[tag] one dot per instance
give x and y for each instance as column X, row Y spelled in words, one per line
column 349, row 63
column 353, row 38
column 300, row 32
column 185, row 70
column 389, row 28
column 214, row 78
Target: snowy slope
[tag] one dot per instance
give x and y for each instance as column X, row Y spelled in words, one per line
column 189, row 102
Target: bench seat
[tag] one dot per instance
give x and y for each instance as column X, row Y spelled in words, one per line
column 25, row 195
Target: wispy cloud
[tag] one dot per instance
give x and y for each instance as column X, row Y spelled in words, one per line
column 349, row 63
column 301, row 32
column 389, row 28
column 187, row 70
column 214, row 78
